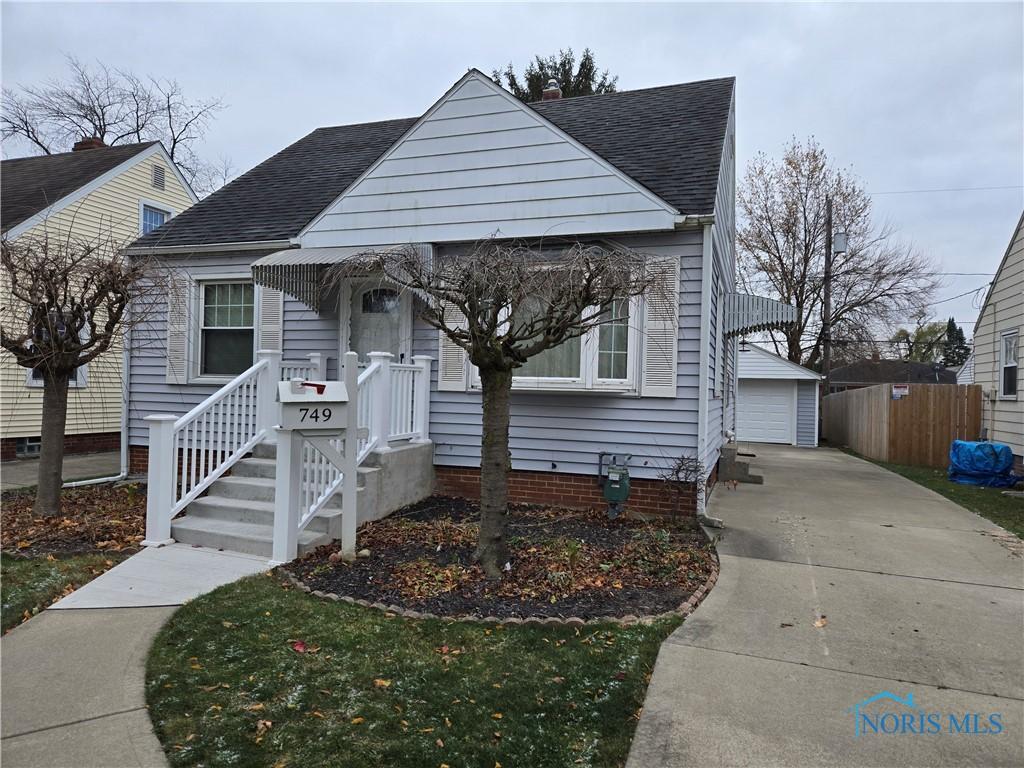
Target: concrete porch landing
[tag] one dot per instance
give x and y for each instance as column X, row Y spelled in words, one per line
column 162, row 576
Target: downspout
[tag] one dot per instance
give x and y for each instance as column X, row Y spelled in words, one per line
column 125, row 376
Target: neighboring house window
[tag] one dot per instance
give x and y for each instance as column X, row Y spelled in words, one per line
column 79, row 380
column 227, row 328
column 1009, row 355
column 153, row 217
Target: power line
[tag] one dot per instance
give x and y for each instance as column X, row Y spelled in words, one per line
column 946, row 189
column 960, row 295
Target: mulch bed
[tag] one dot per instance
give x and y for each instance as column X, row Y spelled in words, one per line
column 94, row 518
column 564, row 563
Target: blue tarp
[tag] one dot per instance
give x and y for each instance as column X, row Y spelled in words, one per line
column 972, row 463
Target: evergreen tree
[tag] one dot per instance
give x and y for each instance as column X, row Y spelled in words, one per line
column 584, row 80
column 955, row 349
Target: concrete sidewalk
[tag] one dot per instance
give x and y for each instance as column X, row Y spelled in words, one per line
column 72, row 691
column 911, row 594
column 24, row 473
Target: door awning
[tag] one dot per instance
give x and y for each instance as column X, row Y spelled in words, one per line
column 746, row 314
column 301, row 272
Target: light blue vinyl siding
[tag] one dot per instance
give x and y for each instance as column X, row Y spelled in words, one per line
column 569, row 430
column 806, row 424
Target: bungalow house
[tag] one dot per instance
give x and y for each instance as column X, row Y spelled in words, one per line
column 651, row 169
column 997, row 345
column 92, row 192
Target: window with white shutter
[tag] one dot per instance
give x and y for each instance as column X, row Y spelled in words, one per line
column 271, row 331
column 661, row 330
column 451, row 366
column 180, row 292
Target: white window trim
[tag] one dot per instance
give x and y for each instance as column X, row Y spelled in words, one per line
column 80, row 380
column 588, row 381
column 1003, row 335
column 144, row 203
column 195, row 336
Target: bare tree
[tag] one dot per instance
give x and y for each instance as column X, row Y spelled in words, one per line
column 505, row 304
column 114, row 105
column 781, row 252
column 67, row 303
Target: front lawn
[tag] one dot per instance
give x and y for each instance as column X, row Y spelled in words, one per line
column 990, row 503
column 260, row 674
column 27, row 585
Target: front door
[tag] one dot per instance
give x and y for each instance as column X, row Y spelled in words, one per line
column 379, row 321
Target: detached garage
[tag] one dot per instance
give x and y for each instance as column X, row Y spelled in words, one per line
column 777, row 401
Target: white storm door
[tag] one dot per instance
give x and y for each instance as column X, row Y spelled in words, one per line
column 766, row 411
column 380, row 320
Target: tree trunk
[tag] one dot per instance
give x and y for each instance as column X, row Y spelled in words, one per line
column 492, row 547
column 51, row 451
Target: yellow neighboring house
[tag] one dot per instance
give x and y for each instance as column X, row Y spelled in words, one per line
column 117, row 192
column 997, row 350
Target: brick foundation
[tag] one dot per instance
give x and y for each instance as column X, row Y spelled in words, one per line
column 88, row 442
column 138, row 459
column 646, row 496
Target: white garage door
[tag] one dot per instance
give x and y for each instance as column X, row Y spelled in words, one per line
column 765, row 411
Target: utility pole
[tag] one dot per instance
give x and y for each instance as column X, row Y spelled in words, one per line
column 826, row 320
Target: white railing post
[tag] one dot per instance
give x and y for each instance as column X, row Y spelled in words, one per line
column 421, row 414
column 163, row 472
column 350, row 449
column 266, row 392
column 318, row 371
column 287, row 479
column 380, row 419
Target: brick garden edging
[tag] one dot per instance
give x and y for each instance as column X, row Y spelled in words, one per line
column 687, row 607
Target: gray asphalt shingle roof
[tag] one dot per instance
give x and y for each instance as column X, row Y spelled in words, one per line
column 30, row 184
column 668, row 138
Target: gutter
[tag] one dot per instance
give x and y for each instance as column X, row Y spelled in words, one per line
column 702, row 366
column 691, row 220
column 256, row 245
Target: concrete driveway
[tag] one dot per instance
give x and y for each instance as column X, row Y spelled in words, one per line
column 840, row 581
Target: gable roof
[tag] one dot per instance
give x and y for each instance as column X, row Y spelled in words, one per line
column 29, row 185
column 999, row 271
column 770, row 365
column 891, row 372
column 668, row 139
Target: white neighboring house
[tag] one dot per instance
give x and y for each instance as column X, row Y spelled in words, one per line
column 965, row 374
column 777, row 400
column 997, row 348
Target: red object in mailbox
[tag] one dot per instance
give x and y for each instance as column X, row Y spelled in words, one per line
column 318, row 387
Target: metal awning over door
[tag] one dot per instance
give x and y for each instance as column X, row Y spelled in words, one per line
column 746, row 314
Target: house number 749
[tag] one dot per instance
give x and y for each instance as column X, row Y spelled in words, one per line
column 314, row 414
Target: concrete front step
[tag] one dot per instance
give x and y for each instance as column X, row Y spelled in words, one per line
column 237, row 536
column 267, row 468
column 253, row 512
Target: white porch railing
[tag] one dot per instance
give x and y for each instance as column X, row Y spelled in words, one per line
column 187, row 453
column 313, row 368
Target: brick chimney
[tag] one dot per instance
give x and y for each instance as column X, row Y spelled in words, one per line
column 875, row 357
column 89, row 142
column 551, row 91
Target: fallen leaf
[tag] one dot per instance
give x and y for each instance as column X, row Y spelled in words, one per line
column 380, row 683
column 299, row 647
column 496, row 715
column 439, row 743
column 258, row 707
column 23, row 545
column 821, row 622
column 357, row 720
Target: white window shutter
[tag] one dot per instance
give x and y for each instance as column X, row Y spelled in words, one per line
column 271, row 329
column 661, row 323
column 180, row 293
column 451, row 366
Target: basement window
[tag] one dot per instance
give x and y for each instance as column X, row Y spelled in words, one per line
column 27, row 447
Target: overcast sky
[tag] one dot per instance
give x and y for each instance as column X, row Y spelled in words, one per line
column 912, row 97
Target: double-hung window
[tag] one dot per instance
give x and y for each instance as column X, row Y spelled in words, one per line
column 602, row 358
column 227, row 328
column 1009, row 357
column 153, row 217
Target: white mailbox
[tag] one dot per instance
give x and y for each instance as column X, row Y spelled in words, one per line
column 309, row 405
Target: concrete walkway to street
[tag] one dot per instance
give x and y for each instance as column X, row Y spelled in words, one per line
column 839, row 581
column 72, row 691
column 24, row 473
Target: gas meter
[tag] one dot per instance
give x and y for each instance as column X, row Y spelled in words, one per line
column 616, row 482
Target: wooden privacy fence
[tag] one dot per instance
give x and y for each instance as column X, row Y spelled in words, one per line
column 917, row 429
